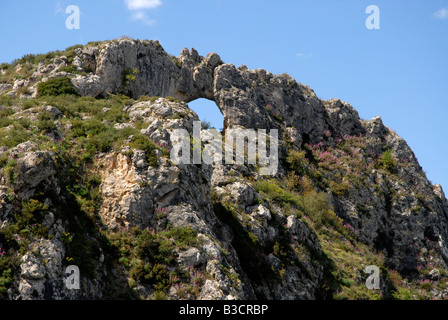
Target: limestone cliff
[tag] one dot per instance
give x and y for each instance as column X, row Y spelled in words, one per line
column 87, row 180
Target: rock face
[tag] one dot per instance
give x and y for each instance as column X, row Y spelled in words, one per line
column 33, row 168
column 247, row 98
column 348, row 192
column 187, row 77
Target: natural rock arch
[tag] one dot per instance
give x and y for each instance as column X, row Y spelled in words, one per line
column 255, row 99
column 208, row 111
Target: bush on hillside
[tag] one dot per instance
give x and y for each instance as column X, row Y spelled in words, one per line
column 56, row 87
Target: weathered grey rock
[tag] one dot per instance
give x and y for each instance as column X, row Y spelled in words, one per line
column 78, row 63
column 242, row 193
column 211, row 291
column 127, row 203
column 91, row 85
column 304, row 235
column 261, row 212
column 42, row 274
column 20, row 83
column 32, row 289
column 343, row 118
column 190, row 258
column 4, row 87
column 56, row 113
column 376, row 127
column 32, row 169
column 32, row 269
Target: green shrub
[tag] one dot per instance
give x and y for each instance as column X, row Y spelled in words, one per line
column 101, row 142
column 29, row 211
column 129, row 76
column 116, row 115
column 172, row 99
column 387, row 161
column 147, row 98
column 272, row 191
column 34, row 59
column 4, row 157
column 26, row 224
column 142, row 142
column 14, row 136
column 177, row 62
column 10, row 170
column 72, row 105
column 403, row 294
column 184, row 237
column 69, row 69
column 5, row 112
column 46, row 122
column 6, row 101
column 7, row 265
column 147, row 273
column 206, row 125
column 70, row 52
column 56, row 87
column 297, row 161
column 28, row 58
column 28, row 104
column 102, row 138
column 86, row 128
column 73, row 48
column 317, row 208
column 5, row 122
column 340, row 189
column 149, row 256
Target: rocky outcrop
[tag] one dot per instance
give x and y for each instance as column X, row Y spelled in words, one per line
column 32, row 169
column 255, row 237
column 343, row 118
column 246, row 98
column 88, row 85
column 186, row 77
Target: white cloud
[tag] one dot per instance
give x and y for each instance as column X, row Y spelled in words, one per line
column 142, row 4
column 58, row 8
column 442, row 14
column 138, row 8
column 302, row 55
column 143, row 17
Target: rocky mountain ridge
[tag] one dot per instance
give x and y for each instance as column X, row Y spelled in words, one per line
column 87, row 180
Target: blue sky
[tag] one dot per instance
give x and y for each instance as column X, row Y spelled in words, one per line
column 398, row 72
